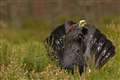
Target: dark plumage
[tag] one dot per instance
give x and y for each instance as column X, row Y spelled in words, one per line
column 74, row 45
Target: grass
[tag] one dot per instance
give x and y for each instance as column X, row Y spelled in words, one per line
column 23, row 55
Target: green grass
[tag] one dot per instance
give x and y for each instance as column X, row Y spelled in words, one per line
column 23, row 55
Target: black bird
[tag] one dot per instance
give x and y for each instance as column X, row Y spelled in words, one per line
column 74, row 45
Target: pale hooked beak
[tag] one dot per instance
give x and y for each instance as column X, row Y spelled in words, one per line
column 82, row 23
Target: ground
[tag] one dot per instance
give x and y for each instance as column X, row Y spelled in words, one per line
column 23, row 55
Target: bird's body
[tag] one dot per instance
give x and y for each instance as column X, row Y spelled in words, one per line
column 75, row 45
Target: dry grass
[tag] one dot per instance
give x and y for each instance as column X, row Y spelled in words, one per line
column 24, row 57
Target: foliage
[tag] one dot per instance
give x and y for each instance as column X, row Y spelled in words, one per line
column 23, row 56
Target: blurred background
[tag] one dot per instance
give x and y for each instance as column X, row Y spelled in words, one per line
column 18, row 12
column 25, row 24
